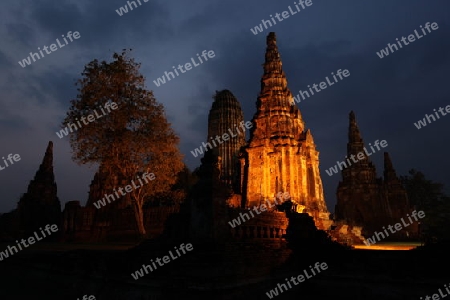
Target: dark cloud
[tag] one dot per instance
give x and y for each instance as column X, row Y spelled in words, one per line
column 388, row 95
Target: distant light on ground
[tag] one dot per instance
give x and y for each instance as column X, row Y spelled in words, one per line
column 388, row 246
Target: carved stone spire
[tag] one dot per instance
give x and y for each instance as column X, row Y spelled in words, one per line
column 43, row 186
column 359, row 196
column 362, row 198
column 390, row 176
column 355, row 142
column 281, row 155
column 276, row 117
column 226, row 117
column 397, row 198
column 47, row 162
column 363, row 170
column 40, row 205
column 274, row 77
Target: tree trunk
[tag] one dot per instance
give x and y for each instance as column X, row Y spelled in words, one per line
column 139, row 214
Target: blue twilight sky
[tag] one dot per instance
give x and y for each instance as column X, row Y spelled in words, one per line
column 388, row 95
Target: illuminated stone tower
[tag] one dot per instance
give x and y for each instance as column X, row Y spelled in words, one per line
column 225, row 115
column 281, row 155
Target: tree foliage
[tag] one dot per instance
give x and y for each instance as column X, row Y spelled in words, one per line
column 429, row 196
column 133, row 139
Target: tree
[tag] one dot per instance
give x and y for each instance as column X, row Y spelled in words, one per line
column 429, row 196
column 130, row 135
column 178, row 192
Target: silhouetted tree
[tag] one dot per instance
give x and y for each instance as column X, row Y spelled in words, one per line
column 428, row 196
column 132, row 139
column 178, row 192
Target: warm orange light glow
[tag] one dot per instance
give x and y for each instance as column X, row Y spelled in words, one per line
column 392, row 246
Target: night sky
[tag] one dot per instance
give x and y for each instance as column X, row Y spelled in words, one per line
column 388, row 95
